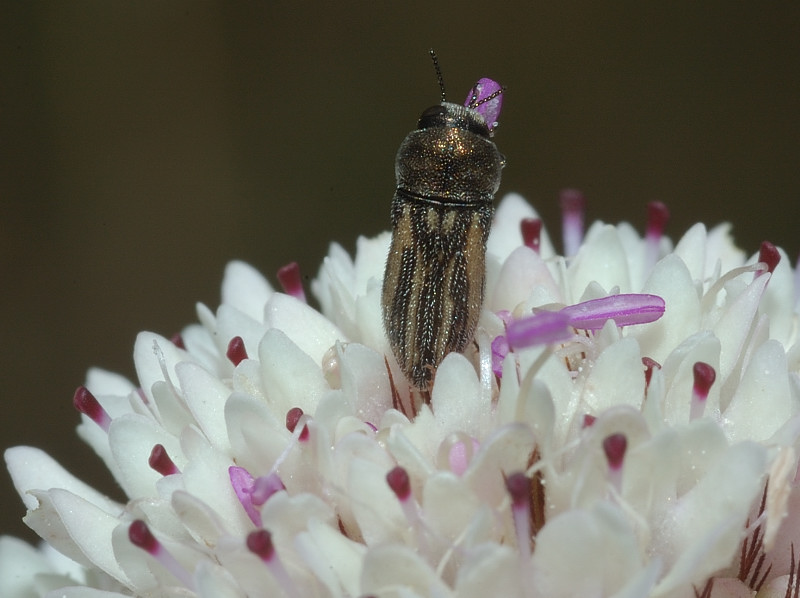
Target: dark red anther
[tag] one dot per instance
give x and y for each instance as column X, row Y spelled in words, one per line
column 159, row 461
column 292, row 417
column 236, row 350
column 769, row 255
column 657, row 218
column 649, row 365
column 572, row 209
column 139, row 535
column 85, row 402
column 292, row 283
column 531, row 232
column 519, row 488
column 177, row 340
column 260, row 543
column 399, row 482
column 614, row 447
column 588, row 420
column 704, row 376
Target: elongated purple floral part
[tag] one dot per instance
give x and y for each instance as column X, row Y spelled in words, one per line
column 499, row 352
column 539, row 329
column 625, row 310
column 548, row 327
column 488, row 109
column 242, row 483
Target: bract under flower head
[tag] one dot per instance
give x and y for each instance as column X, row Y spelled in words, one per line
column 610, row 432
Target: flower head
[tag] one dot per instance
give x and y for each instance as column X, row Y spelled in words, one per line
column 625, row 423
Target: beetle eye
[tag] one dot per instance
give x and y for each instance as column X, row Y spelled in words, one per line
column 433, row 116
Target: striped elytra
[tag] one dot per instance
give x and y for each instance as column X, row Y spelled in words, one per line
column 448, row 170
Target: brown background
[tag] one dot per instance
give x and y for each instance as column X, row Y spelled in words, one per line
column 146, row 144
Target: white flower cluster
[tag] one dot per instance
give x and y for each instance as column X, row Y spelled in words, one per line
column 297, row 461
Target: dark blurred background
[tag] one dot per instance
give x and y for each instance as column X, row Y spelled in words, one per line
column 146, row 144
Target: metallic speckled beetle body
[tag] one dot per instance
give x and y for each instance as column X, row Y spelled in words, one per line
column 448, row 171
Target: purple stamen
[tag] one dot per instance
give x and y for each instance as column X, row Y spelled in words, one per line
column 519, row 488
column 499, row 352
column 292, row 283
column 704, row 376
column 531, row 233
column 265, row 486
column 160, row 461
column 625, row 310
column 572, row 207
column 548, row 327
column 588, row 420
column 480, row 100
column 242, row 483
column 236, row 350
column 543, row 328
column 139, row 535
column 85, row 402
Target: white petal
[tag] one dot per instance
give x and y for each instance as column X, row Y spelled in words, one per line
column 33, row 469
column 692, row 250
column 365, row 382
column 257, row 437
column 508, row 450
column 231, row 322
column 103, row 382
column 154, row 357
column 214, row 581
column 76, row 528
column 83, row 592
column 523, row 272
column 308, row 329
column 449, row 504
column 615, row 378
column 340, row 555
column 205, row 396
column 246, row 289
column 601, row 259
column 704, row 527
column 585, row 553
column 734, row 326
column 19, row 563
column 392, row 566
column 456, row 400
column 679, row 377
column 763, row 401
column 290, row 376
column 671, row 281
column 490, row 570
column 506, row 234
column 132, row 439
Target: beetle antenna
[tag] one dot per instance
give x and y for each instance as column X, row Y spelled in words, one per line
column 438, row 73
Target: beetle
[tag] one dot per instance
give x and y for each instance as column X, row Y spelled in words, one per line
column 448, row 171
